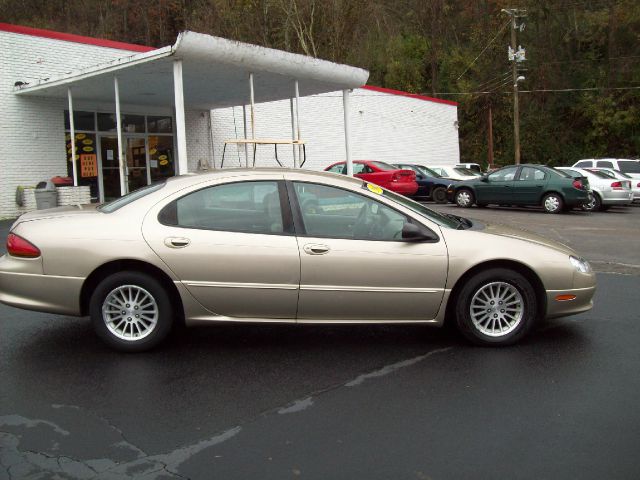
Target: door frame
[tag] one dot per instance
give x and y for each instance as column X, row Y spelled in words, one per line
column 125, row 139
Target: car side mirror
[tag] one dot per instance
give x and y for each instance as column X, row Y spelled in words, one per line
column 484, row 178
column 414, row 233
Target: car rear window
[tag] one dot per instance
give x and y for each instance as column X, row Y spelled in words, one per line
column 383, row 166
column 114, row 205
column 629, row 166
column 599, row 174
column 561, row 173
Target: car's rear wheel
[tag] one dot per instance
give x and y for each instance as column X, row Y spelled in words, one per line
column 496, row 307
column 131, row 311
column 552, row 203
column 594, row 203
column 439, row 195
column 464, row 198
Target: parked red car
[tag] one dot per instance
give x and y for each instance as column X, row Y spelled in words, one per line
column 387, row 176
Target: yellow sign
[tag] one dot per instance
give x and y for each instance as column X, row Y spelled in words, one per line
column 162, row 157
column 87, row 149
column 87, row 141
column 153, row 151
column 88, row 165
column 80, row 136
column 374, row 188
column 164, row 162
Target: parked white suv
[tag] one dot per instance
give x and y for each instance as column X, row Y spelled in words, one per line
column 630, row 167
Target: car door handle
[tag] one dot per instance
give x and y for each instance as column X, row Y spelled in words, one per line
column 316, row 249
column 176, row 242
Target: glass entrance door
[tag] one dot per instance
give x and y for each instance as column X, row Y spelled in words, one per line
column 136, row 155
column 136, row 171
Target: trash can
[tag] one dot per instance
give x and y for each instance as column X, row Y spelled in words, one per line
column 46, row 195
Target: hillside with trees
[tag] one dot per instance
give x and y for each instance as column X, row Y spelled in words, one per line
column 580, row 97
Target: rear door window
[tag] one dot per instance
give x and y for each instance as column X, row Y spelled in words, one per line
column 250, row 207
column 604, row 164
column 584, row 164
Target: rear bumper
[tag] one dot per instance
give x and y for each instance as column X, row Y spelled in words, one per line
column 43, row 293
column 403, row 188
column 621, row 197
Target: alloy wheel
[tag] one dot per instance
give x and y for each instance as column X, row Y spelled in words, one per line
column 130, row 312
column 496, row 309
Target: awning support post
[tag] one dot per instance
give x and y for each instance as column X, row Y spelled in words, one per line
column 347, row 147
column 297, row 163
column 181, row 135
column 246, row 145
column 252, row 113
column 121, row 160
column 293, row 134
column 72, row 129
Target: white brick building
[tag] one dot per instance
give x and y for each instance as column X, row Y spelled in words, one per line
column 35, row 139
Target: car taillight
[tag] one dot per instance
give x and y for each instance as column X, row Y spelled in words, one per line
column 404, row 176
column 616, row 185
column 19, row 247
column 578, row 184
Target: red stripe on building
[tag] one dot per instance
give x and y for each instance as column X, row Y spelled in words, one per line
column 69, row 37
column 410, row 95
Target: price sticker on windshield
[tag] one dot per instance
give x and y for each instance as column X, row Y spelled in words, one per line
column 374, row 188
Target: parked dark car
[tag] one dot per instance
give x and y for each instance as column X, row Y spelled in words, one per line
column 431, row 185
column 534, row 185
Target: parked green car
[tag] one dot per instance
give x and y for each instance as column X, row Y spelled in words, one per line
column 534, row 185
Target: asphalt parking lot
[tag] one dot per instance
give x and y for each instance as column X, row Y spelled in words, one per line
column 339, row 401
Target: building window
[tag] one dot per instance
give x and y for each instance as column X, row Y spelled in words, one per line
column 81, row 120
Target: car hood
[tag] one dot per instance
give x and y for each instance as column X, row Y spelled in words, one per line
column 506, row 231
column 66, row 211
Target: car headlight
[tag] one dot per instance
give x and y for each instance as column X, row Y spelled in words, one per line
column 580, row 264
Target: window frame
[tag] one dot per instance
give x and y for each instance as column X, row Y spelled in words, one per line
column 288, row 225
column 301, row 231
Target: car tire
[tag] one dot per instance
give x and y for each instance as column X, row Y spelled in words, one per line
column 552, row 203
column 593, row 204
column 146, row 317
column 478, row 320
column 439, row 195
column 464, row 198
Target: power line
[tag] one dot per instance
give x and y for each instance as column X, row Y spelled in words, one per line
column 552, row 90
column 484, row 49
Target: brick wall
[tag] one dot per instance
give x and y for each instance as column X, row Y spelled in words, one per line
column 32, row 146
column 383, row 126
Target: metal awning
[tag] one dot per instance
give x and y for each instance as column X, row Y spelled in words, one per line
column 203, row 72
column 215, row 73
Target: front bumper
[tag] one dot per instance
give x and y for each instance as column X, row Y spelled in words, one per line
column 582, row 302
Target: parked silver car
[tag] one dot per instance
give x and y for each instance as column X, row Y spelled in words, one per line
column 607, row 192
column 635, row 182
column 288, row 246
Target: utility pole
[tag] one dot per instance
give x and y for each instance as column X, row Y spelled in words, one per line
column 490, row 139
column 516, row 55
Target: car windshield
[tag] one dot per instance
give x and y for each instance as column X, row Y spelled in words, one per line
column 606, row 172
column 114, row 205
column 427, row 171
column 384, row 166
column 440, row 219
column 599, row 174
column 466, row 171
column 629, row 166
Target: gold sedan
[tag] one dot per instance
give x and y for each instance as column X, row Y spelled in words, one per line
column 289, row 246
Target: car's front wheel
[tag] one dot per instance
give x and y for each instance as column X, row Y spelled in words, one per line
column 439, row 195
column 552, row 203
column 131, row 311
column 464, row 198
column 496, row 307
